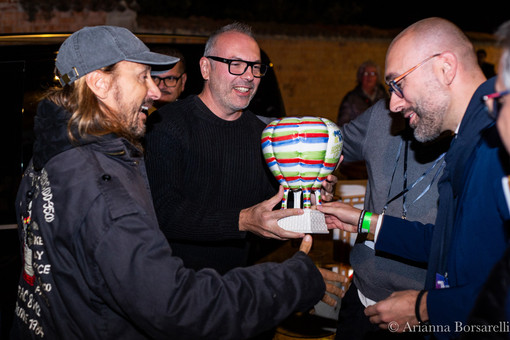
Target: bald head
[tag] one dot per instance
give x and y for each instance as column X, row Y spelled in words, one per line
column 430, row 36
column 435, row 67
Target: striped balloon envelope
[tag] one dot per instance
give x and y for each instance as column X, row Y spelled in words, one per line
column 301, row 152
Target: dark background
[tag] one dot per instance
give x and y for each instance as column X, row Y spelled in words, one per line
column 389, row 14
column 484, row 17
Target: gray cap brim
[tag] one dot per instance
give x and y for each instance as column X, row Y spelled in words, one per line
column 93, row 48
column 153, row 59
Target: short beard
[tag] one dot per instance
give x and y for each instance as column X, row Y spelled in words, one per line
column 428, row 128
column 128, row 126
column 431, row 113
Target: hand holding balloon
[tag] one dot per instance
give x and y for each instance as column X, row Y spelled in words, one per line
column 262, row 220
column 327, row 189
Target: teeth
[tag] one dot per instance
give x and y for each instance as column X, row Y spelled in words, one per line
column 145, row 108
column 242, row 89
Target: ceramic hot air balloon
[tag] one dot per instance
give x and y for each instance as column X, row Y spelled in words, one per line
column 301, row 152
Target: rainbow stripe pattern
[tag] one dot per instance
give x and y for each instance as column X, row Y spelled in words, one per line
column 301, row 152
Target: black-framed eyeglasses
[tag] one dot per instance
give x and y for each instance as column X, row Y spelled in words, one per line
column 493, row 102
column 170, row 81
column 238, row 67
column 393, row 84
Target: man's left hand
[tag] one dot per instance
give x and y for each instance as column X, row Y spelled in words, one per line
column 328, row 188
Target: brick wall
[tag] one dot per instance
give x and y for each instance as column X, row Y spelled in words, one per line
column 15, row 20
column 314, row 72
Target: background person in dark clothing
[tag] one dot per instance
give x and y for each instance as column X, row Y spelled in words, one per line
column 368, row 91
column 487, row 68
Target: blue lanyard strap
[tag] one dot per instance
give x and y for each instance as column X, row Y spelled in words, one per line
column 418, row 180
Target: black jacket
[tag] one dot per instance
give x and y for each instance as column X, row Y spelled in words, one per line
column 96, row 265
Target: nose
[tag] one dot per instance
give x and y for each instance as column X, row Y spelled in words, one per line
column 248, row 74
column 153, row 91
column 396, row 103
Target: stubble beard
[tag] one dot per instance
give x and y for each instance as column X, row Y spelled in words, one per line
column 431, row 114
column 129, row 116
column 227, row 98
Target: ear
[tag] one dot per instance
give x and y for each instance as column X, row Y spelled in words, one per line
column 183, row 81
column 99, row 83
column 205, row 67
column 448, row 66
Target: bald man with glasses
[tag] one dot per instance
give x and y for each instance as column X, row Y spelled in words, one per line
column 437, row 84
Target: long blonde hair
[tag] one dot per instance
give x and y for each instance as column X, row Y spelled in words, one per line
column 89, row 115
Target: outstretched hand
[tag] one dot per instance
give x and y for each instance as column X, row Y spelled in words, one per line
column 262, row 220
column 330, row 277
column 340, row 216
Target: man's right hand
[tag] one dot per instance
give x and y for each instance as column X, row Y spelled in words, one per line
column 262, row 220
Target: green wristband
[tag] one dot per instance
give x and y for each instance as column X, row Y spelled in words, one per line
column 365, row 228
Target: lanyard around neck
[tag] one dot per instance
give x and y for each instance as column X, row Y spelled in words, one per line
column 406, row 188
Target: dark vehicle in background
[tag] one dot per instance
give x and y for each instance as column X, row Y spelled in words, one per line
column 26, row 68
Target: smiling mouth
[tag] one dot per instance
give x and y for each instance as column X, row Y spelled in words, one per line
column 242, row 89
column 144, row 109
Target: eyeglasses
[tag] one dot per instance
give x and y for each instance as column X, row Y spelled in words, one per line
column 170, row 81
column 372, row 74
column 395, row 88
column 239, row 67
column 493, row 102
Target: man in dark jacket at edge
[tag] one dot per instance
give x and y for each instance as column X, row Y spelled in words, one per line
column 95, row 263
column 491, row 312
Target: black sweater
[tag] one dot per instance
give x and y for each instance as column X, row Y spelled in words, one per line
column 203, row 171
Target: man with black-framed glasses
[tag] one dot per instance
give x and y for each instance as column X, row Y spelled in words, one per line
column 437, row 84
column 212, row 189
column 171, row 82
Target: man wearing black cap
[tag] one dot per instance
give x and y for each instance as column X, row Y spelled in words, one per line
column 95, row 263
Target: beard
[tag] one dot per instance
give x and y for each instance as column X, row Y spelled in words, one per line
column 428, row 126
column 431, row 113
column 130, row 119
column 227, row 99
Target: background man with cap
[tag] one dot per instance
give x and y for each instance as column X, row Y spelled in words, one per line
column 171, row 82
column 95, row 263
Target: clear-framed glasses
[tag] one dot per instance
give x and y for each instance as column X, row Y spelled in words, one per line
column 393, row 84
column 371, row 74
column 170, row 81
column 238, row 67
column 493, row 102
